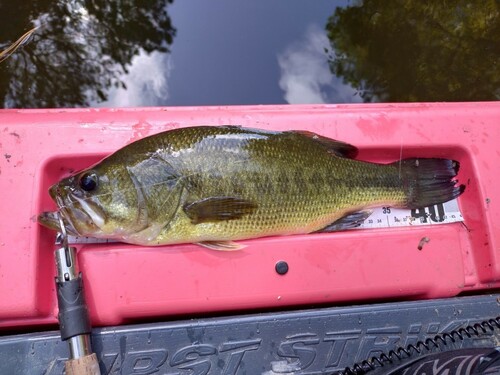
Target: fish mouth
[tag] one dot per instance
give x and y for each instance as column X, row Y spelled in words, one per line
column 50, row 219
column 80, row 216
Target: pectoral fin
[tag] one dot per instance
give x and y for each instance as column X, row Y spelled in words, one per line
column 349, row 221
column 218, row 209
column 221, row 245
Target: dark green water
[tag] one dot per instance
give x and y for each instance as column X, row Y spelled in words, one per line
column 216, row 52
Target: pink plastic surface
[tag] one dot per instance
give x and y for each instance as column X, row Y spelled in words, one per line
column 126, row 283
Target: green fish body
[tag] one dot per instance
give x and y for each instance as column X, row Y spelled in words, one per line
column 211, row 185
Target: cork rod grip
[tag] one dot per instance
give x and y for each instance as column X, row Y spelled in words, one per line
column 87, row 365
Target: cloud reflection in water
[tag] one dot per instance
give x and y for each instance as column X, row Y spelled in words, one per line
column 305, row 73
column 146, row 83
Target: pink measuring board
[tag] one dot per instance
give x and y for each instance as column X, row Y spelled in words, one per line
column 126, row 283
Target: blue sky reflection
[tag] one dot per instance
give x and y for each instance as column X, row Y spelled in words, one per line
column 238, row 52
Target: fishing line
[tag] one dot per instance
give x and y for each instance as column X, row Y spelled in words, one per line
column 6, row 53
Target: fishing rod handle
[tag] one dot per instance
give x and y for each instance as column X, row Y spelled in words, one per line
column 87, row 365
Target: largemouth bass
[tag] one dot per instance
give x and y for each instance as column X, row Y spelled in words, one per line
column 214, row 185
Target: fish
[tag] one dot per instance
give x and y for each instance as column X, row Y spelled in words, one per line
column 216, row 185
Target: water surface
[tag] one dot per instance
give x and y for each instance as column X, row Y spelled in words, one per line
column 218, row 52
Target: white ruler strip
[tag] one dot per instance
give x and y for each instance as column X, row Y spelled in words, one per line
column 78, row 239
column 388, row 217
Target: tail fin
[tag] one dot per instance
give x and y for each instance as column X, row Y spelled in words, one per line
column 429, row 181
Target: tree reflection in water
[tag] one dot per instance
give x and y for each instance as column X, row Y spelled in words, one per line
column 81, row 49
column 414, row 50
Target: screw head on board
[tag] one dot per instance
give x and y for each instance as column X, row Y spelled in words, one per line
column 281, row 267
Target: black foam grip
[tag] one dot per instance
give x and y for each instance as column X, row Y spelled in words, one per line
column 73, row 313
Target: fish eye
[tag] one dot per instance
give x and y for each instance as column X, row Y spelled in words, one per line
column 88, row 181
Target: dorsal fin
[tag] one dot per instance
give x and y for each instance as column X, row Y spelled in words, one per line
column 339, row 148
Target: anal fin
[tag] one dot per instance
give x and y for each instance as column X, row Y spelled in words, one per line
column 349, row 221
